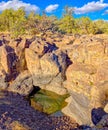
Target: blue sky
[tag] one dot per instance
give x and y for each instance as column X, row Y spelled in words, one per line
column 95, row 9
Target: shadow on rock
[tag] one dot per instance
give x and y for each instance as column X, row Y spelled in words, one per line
column 97, row 114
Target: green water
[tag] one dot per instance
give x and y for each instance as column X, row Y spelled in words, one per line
column 48, row 102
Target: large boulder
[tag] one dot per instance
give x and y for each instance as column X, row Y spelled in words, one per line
column 42, row 69
column 87, row 76
column 23, row 84
column 8, row 59
column 56, row 85
column 78, row 108
column 80, row 78
column 33, row 62
column 19, row 46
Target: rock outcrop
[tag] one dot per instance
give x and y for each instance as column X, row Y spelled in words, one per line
column 87, row 76
column 75, row 64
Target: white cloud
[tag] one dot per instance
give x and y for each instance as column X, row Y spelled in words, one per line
column 91, row 7
column 51, row 8
column 15, row 4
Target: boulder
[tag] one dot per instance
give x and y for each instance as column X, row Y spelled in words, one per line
column 56, row 85
column 8, row 59
column 21, row 62
column 33, row 62
column 78, row 108
column 19, row 46
column 48, row 70
column 23, row 84
column 80, row 78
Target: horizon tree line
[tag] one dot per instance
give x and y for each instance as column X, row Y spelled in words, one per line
column 18, row 23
